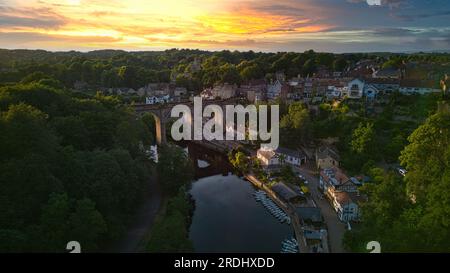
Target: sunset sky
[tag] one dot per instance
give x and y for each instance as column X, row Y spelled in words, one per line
column 260, row 25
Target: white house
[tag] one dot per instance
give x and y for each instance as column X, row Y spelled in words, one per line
column 342, row 192
column 355, row 89
column 345, row 204
column 334, row 92
column 383, row 85
column 370, row 89
column 295, row 158
column 268, row 158
column 156, row 100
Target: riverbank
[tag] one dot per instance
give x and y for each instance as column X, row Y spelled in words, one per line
column 287, row 208
column 143, row 220
column 158, row 218
column 170, row 232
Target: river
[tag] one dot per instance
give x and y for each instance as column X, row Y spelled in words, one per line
column 227, row 218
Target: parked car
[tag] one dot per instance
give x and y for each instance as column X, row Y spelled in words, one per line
column 402, row 171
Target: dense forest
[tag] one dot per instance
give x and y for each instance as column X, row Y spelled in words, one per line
column 193, row 69
column 70, row 167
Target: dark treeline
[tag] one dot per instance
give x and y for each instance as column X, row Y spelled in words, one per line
column 193, row 69
column 411, row 214
column 71, row 168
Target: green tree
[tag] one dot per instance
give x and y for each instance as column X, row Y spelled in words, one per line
column 363, row 139
column 309, row 67
column 128, row 76
column 239, row 161
column 339, row 64
column 295, row 125
column 411, row 214
column 174, row 168
column 251, row 72
column 55, row 223
column 87, row 225
column 427, row 156
column 171, row 233
column 12, row 240
column 228, row 73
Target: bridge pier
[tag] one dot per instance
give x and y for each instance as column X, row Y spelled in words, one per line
column 162, row 113
column 160, row 131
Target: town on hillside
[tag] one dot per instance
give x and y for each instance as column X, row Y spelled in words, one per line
column 349, row 126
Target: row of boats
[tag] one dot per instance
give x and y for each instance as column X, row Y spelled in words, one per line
column 278, row 213
column 289, row 246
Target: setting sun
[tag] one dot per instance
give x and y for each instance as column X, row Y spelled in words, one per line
column 213, row 25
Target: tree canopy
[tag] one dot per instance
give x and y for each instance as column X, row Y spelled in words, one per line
column 70, row 168
column 411, row 214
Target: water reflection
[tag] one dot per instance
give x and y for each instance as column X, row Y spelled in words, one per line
column 211, row 162
column 227, row 218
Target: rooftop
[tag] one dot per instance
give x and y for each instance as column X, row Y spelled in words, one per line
column 417, row 83
column 310, row 213
column 344, row 198
column 387, row 72
column 334, row 175
column 284, row 191
column 268, row 154
column 289, row 152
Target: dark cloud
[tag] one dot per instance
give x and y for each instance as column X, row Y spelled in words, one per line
column 37, row 18
column 280, row 9
column 14, row 21
column 32, row 37
column 393, row 32
column 417, row 16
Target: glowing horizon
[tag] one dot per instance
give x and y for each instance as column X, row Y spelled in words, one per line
column 206, row 24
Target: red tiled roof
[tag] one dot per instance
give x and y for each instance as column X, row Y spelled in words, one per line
column 342, row 197
column 339, row 175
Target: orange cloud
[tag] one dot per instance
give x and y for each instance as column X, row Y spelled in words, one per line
column 144, row 24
